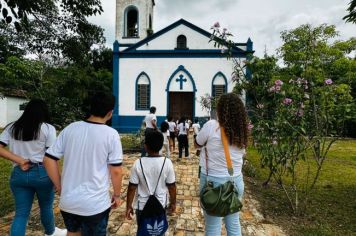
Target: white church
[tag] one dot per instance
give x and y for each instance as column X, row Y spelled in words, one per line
column 169, row 69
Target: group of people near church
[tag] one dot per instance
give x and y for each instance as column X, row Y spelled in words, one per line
column 93, row 157
column 171, row 131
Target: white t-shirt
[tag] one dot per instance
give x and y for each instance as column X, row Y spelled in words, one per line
column 148, row 120
column 183, row 129
column 87, row 148
column 33, row 150
column 165, row 137
column 172, row 126
column 210, row 134
column 196, row 128
column 152, row 167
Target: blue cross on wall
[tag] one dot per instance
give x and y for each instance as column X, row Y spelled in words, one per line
column 181, row 80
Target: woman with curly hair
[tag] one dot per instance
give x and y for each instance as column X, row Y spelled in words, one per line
column 233, row 118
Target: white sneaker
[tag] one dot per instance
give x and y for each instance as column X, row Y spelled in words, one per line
column 58, row 232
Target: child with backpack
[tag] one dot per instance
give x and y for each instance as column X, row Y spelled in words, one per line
column 152, row 178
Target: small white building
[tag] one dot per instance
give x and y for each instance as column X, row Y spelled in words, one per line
column 11, row 108
column 170, row 69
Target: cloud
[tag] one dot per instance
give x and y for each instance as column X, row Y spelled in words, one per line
column 261, row 20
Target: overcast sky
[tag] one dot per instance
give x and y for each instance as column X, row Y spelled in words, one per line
column 262, row 20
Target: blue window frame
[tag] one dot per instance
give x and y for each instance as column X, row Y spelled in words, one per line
column 219, row 85
column 143, row 92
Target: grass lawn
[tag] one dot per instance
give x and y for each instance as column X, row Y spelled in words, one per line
column 332, row 209
column 6, row 199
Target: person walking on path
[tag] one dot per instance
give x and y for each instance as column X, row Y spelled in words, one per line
column 150, row 124
column 151, row 175
column 92, row 154
column 183, row 131
column 232, row 117
column 172, row 134
column 27, row 139
column 165, row 132
column 196, row 129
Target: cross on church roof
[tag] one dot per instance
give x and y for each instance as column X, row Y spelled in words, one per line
column 181, row 80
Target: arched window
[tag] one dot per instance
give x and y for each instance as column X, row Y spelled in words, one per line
column 181, row 42
column 131, row 22
column 143, row 92
column 219, row 85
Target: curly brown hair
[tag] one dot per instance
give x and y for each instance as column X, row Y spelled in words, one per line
column 232, row 116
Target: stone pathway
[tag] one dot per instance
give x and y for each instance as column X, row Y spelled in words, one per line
column 188, row 219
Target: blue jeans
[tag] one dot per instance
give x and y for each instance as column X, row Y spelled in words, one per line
column 24, row 185
column 232, row 222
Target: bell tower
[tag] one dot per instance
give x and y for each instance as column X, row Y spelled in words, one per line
column 134, row 20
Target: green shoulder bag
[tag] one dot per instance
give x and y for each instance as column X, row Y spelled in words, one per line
column 220, row 200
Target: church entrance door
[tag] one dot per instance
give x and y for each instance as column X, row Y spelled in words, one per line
column 181, row 104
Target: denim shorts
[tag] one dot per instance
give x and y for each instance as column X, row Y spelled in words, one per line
column 95, row 225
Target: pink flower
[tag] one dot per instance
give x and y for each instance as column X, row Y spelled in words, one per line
column 300, row 112
column 272, row 89
column 217, row 25
column 277, row 88
column 260, row 106
column 250, row 126
column 287, row 101
column 328, row 81
column 278, row 82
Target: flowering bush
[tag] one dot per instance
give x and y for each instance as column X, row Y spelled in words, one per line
column 295, row 109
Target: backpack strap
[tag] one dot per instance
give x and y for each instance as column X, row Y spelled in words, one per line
column 160, row 175
column 144, row 176
column 143, row 173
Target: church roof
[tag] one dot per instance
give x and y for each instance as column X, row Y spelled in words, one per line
column 176, row 24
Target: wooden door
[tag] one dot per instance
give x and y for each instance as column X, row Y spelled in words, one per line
column 181, row 104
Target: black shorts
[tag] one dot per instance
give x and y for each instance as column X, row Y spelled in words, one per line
column 172, row 135
column 95, row 225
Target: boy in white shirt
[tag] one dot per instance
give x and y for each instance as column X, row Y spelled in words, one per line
column 150, row 122
column 151, row 166
column 92, row 155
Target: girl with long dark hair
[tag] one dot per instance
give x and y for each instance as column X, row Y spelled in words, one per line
column 232, row 118
column 27, row 139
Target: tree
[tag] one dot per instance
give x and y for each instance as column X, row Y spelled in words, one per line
column 351, row 17
column 56, row 28
column 300, row 108
column 9, row 43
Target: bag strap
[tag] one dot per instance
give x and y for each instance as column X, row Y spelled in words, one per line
column 230, row 169
column 206, row 159
column 144, row 176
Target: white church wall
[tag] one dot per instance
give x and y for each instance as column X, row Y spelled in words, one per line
column 3, row 111
column 159, row 71
column 168, row 41
column 10, row 109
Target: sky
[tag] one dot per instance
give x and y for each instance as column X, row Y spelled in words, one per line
column 261, row 20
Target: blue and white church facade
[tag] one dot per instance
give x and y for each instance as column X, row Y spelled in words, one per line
column 170, row 69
